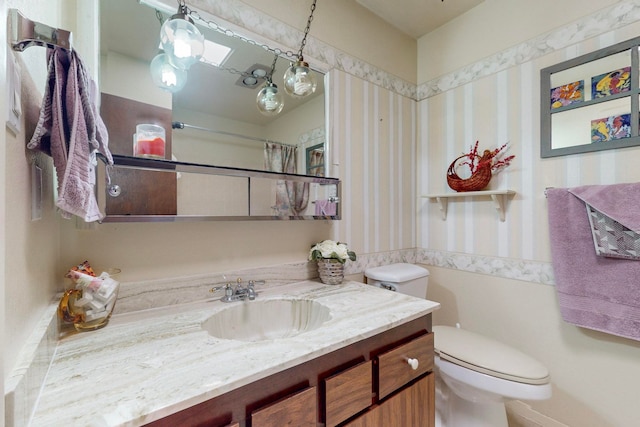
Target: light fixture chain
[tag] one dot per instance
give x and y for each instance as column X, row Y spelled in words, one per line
column 229, row 70
column 306, row 30
column 273, row 68
column 160, row 17
column 216, row 27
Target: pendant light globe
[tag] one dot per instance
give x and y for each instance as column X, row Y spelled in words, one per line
column 270, row 101
column 165, row 75
column 182, row 41
column 300, row 80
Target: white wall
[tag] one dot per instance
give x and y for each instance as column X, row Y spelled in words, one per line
column 594, row 375
column 3, row 206
column 27, row 289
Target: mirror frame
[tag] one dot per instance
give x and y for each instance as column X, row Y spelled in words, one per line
column 546, row 112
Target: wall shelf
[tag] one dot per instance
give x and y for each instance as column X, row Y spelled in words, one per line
column 499, row 197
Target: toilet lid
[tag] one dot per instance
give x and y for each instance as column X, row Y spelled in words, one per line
column 396, row 273
column 482, row 354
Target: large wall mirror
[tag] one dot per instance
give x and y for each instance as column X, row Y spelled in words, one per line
column 213, row 120
column 590, row 103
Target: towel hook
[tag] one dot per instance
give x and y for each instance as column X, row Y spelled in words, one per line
column 24, row 33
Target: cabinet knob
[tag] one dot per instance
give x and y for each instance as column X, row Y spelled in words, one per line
column 413, row 363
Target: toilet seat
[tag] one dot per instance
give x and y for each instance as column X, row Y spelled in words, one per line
column 487, row 356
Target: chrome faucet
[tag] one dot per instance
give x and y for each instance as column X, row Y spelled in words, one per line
column 240, row 293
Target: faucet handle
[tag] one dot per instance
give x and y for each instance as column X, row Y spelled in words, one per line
column 216, row 289
column 256, row 282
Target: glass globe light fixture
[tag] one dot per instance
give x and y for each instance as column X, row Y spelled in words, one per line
column 165, row 75
column 299, row 80
column 182, row 40
column 269, row 100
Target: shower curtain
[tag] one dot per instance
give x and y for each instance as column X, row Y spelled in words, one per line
column 291, row 197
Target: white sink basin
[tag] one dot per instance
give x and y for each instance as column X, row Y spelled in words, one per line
column 262, row 320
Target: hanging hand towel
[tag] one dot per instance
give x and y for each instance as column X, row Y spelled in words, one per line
column 613, row 217
column 72, row 132
column 594, row 292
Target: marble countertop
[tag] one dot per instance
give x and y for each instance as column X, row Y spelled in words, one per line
column 148, row 364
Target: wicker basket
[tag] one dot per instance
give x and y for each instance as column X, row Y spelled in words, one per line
column 331, row 271
column 476, row 182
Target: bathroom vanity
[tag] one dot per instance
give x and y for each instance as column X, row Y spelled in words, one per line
column 369, row 381
column 369, row 363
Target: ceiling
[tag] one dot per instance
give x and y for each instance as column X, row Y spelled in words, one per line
column 418, row 17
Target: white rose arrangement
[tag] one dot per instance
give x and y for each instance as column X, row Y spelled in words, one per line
column 329, row 249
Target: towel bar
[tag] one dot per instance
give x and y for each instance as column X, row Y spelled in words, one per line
column 24, row 33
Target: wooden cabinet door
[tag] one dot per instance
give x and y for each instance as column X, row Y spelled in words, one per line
column 413, row 406
column 348, row 393
column 298, row 410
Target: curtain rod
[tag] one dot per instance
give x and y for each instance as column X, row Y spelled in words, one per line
column 182, row 125
column 24, row 33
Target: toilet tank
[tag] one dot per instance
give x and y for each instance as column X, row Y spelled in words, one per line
column 405, row 278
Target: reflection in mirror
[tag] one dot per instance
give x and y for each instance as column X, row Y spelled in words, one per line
column 220, row 122
column 207, row 192
column 590, row 103
column 315, row 160
column 213, row 124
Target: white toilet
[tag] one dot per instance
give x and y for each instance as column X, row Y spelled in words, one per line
column 475, row 375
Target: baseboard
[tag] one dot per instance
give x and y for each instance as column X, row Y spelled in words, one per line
column 520, row 414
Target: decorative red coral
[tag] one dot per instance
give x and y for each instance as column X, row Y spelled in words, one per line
column 493, row 158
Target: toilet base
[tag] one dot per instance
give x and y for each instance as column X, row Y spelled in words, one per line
column 453, row 411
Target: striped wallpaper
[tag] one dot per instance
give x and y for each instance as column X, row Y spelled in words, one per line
column 372, row 151
column 389, row 150
column 499, row 108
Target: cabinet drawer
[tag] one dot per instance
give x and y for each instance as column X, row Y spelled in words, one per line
column 348, row 393
column 298, row 410
column 394, row 369
column 412, row 407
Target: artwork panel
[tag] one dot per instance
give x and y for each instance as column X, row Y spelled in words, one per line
column 568, row 94
column 610, row 128
column 611, row 83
